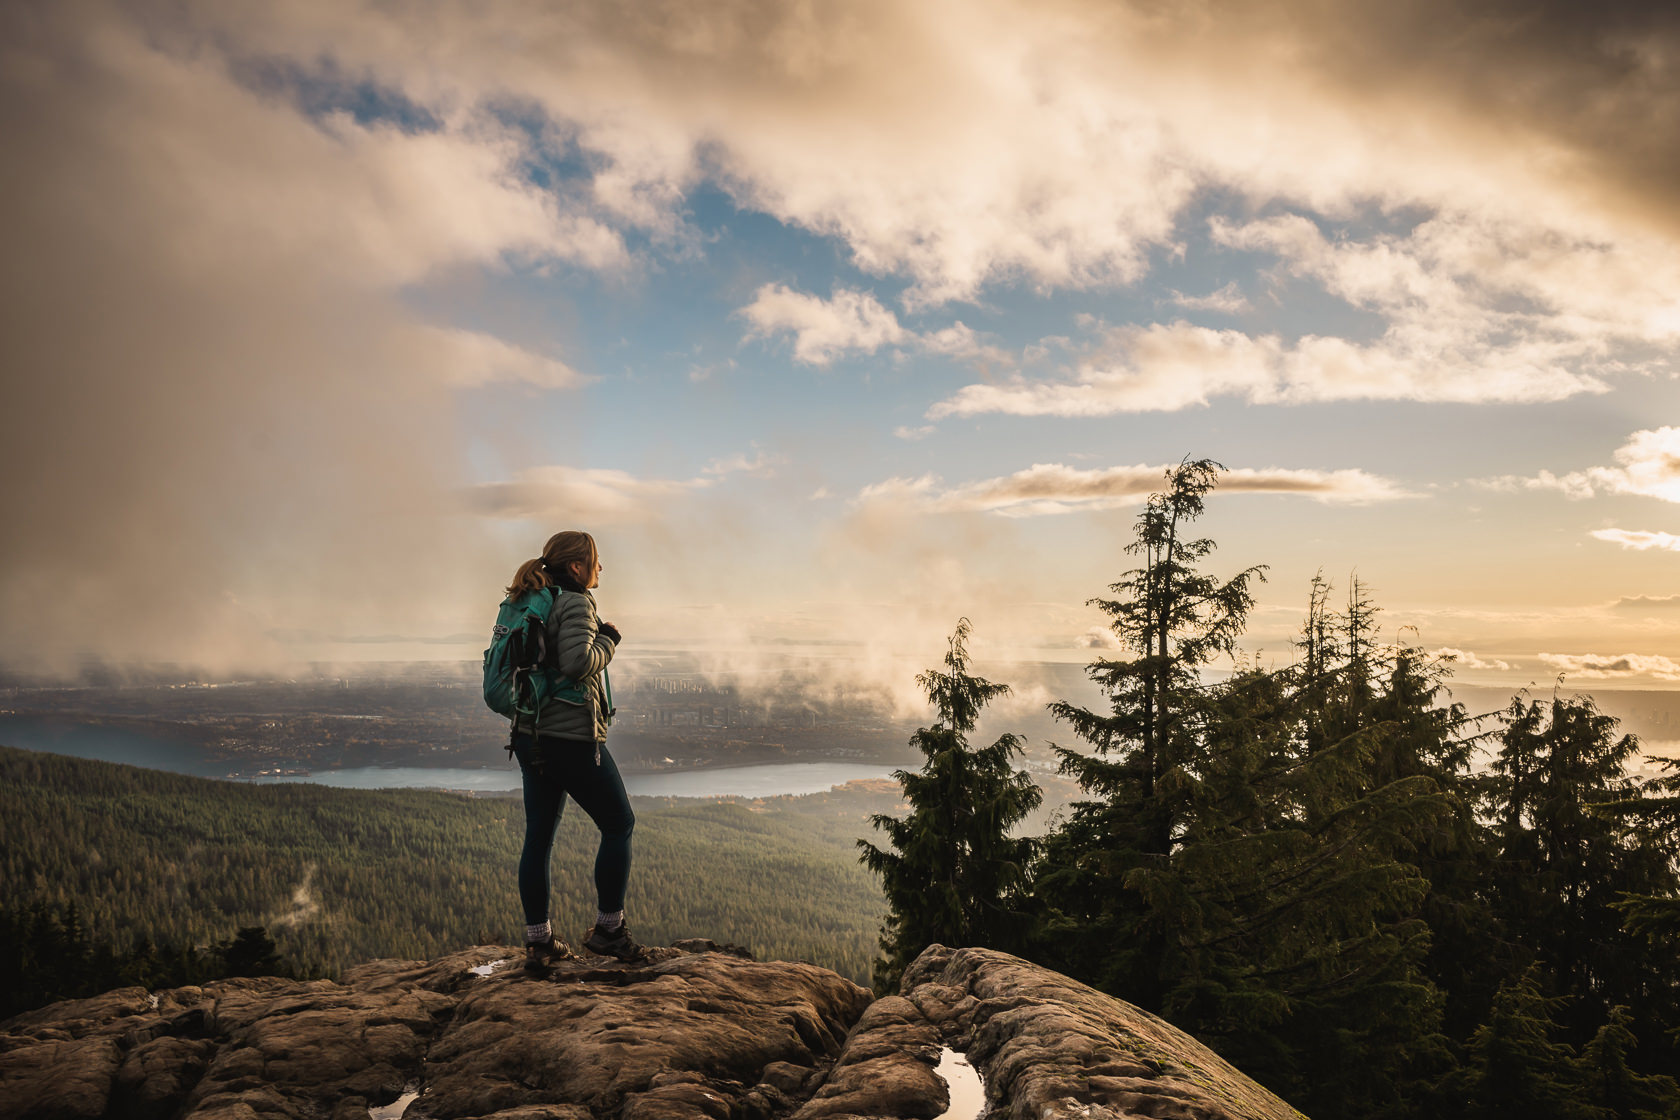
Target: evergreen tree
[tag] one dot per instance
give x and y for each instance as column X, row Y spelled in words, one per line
column 1518, row 1070
column 1282, row 923
column 1656, row 813
column 1384, row 708
column 1573, row 840
column 251, row 952
column 953, row 873
column 46, row 954
column 1172, row 620
column 1653, row 918
column 1302, row 857
column 1612, row 1082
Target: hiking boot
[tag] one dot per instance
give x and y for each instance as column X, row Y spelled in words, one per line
column 614, row 943
column 540, row 956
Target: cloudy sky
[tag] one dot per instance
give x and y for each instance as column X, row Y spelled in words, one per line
column 835, row 321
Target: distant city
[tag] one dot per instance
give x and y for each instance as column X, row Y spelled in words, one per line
column 671, row 716
column 431, row 714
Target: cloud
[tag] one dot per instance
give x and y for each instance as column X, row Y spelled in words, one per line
column 1647, row 603
column 1228, row 300
column 823, row 330
column 961, row 341
column 1585, row 93
column 1639, row 540
column 1593, row 666
column 317, row 638
column 1553, row 312
column 1163, row 367
column 1476, row 308
column 853, row 321
column 1053, row 144
column 1576, row 486
column 205, row 301
column 1476, row 305
column 470, row 358
column 1647, row 465
column 904, row 431
column 594, row 496
column 1052, row 488
column 758, row 465
column 229, row 412
column 1464, row 659
column 1098, row 637
column 1355, row 487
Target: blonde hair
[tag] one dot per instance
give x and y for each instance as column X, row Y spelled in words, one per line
column 551, row 569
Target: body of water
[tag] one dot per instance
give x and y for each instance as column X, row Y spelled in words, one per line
column 769, row 780
column 108, row 744
column 968, row 1092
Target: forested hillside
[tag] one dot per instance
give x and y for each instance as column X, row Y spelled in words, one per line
column 339, row 876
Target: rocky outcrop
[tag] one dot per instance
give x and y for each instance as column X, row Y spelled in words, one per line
column 693, row 1032
column 696, row 1032
column 1050, row 1048
column 887, row 1069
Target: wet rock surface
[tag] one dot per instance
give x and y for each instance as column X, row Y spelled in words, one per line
column 695, row 1032
column 1050, row 1048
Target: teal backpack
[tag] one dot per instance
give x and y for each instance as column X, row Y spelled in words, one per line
column 520, row 676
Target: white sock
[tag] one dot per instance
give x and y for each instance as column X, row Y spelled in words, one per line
column 535, row 935
column 609, row 922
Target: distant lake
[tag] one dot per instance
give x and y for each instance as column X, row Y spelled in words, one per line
column 52, row 735
column 768, row 780
column 110, row 744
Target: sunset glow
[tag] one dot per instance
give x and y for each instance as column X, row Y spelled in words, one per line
column 834, row 322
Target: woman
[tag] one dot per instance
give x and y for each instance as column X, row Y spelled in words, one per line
column 568, row 755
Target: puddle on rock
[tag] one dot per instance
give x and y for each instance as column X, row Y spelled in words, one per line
column 394, row 1110
column 968, row 1095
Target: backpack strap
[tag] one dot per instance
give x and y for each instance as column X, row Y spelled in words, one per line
column 555, row 592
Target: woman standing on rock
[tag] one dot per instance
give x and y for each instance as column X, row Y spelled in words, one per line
column 566, row 753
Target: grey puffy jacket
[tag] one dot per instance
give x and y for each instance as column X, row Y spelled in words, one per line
column 574, row 632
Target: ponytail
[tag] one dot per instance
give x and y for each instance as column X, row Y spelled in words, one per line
column 552, row 568
column 531, row 576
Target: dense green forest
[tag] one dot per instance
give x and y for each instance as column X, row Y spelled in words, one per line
column 339, row 876
column 1370, row 900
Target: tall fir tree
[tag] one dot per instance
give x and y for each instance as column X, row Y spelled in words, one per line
column 1576, row 838
column 1300, row 862
column 1386, row 709
column 1279, row 919
column 1171, row 621
column 953, row 873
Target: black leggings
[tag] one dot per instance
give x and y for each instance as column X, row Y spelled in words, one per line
column 552, row 769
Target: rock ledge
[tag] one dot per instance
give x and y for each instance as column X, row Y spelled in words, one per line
column 696, row 1032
